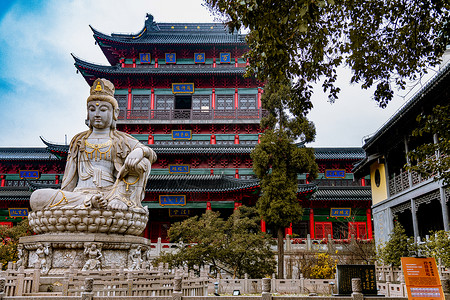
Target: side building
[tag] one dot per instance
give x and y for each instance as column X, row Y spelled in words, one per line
column 181, row 90
column 419, row 204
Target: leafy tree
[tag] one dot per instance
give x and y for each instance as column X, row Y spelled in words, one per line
column 437, row 246
column 398, row 246
column 277, row 159
column 236, row 245
column 9, row 241
column 384, row 42
column 433, row 159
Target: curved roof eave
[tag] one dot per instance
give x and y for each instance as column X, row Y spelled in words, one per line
column 115, row 70
column 167, row 37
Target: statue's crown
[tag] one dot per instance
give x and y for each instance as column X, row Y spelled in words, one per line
column 103, row 90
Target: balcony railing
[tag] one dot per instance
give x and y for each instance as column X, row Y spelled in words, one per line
column 400, row 182
column 192, row 114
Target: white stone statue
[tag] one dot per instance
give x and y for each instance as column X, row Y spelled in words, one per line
column 106, row 169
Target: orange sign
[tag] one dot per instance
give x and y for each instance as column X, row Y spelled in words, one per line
column 422, row 279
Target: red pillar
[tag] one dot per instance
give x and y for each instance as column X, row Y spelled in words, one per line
column 263, row 226
column 212, row 171
column 152, row 99
column 129, row 99
column 311, row 223
column 236, row 62
column 134, row 62
column 235, row 98
column 363, row 182
column 236, row 174
column 213, row 98
column 122, row 62
column 213, row 139
column 290, row 230
column 369, row 224
column 2, row 184
column 237, row 205
column 208, row 205
column 129, row 102
column 151, row 139
column 214, row 62
column 259, row 98
column 236, row 139
column 156, row 62
column 259, row 138
column 152, row 102
column 56, row 179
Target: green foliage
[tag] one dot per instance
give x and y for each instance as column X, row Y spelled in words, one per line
column 236, row 245
column 276, row 162
column 433, row 159
column 383, row 42
column 437, row 246
column 9, row 241
column 398, row 246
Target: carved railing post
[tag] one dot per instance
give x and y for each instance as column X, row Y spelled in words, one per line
column 266, row 284
column 88, row 289
column 357, row 289
column 446, row 288
column 177, row 293
column 2, row 287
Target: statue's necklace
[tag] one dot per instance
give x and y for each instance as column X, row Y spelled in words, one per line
column 96, row 150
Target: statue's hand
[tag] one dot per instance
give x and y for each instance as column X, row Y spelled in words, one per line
column 98, row 201
column 134, row 158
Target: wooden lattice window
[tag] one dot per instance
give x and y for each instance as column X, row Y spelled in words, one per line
column 323, row 229
column 358, row 229
column 201, row 102
column 164, row 102
column 225, row 102
column 247, row 101
column 141, row 102
column 122, row 100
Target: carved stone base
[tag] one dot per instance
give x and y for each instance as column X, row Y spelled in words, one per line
column 57, row 252
column 130, row 222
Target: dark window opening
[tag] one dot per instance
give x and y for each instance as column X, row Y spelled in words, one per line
column 183, row 102
column 183, row 105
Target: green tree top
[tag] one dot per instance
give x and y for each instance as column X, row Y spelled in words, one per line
column 382, row 41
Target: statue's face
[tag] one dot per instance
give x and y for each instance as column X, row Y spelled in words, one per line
column 100, row 114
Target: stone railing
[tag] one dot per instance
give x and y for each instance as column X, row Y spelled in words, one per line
column 290, row 244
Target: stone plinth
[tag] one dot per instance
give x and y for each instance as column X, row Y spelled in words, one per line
column 55, row 253
column 83, row 220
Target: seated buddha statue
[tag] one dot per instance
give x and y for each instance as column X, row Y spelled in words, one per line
column 106, row 168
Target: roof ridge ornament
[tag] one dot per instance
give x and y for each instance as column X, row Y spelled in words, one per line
column 151, row 25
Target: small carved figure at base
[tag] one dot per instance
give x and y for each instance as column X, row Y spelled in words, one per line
column 43, row 253
column 135, row 258
column 94, row 255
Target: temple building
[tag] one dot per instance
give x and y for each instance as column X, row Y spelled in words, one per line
column 181, row 90
column 419, row 204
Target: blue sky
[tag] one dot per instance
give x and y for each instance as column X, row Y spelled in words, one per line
column 41, row 94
